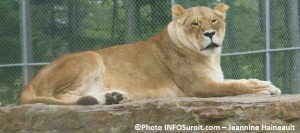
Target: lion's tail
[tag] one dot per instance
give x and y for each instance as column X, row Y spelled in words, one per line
column 28, row 97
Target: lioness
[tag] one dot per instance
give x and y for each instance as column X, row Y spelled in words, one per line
column 181, row 61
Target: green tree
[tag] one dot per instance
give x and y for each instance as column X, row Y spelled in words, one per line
column 9, row 32
column 75, row 24
column 293, row 27
column 9, row 51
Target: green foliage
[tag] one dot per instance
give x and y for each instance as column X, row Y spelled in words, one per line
column 10, row 94
column 9, row 32
column 9, row 50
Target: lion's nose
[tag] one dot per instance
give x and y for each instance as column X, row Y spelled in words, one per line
column 209, row 34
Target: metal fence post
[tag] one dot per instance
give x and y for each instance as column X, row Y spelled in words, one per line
column 268, row 41
column 172, row 3
column 25, row 37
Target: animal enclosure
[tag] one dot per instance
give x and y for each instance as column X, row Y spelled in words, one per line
column 262, row 36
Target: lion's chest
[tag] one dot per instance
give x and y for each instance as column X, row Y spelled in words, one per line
column 208, row 72
column 216, row 75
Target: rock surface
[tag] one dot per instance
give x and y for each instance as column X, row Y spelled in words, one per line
column 255, row 113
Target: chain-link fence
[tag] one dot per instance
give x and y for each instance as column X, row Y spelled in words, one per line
column 262, row 37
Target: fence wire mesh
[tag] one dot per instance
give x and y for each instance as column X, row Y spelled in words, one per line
column 58, row 27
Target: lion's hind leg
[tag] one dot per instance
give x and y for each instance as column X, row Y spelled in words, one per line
column 71, row 79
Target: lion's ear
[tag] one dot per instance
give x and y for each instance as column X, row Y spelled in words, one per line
column 178, row 11
column 221, row 9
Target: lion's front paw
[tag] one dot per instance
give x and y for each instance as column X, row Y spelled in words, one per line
column 262, row 87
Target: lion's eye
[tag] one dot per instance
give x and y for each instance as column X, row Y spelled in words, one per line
column 196, row 25
column 213, row 21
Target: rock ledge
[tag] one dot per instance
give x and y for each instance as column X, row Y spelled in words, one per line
column 246, row 112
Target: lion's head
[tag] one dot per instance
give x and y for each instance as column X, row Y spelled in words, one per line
column 199, row 29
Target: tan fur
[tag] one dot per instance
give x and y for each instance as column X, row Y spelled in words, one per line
column 175, row 63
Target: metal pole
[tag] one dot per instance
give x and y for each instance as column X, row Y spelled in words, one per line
column 268, row 41
column 24, row 40
column 173, row 3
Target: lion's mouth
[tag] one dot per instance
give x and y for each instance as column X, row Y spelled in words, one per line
column 211, row 46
